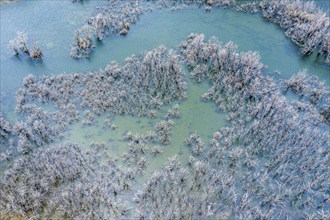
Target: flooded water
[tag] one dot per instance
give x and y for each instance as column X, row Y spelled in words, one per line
column 51, row 24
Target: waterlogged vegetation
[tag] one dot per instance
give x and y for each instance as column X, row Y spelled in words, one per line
column 198, row 129
column 305, row 23
column 19, row 46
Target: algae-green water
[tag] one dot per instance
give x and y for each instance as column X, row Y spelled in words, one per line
column 51, row 23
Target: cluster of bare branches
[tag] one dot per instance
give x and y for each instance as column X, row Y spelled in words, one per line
column 5, row 137
column 163, row 131
column 308, row 87
column 27, row 186
column 98, row 194
column 83, row 45
column 19, row 45
column 271, row 162
column 264, row 127
column 114, row 17
column 136, row 156
column 241, row 6
column 173, row 112
column 210, row 3
column 142, row 85
column 141, row 146
column 38, row 129
column 179, row 192
column 249, row 7
column 306, row 24
column 312, row 91
column 118, row 16
column 65, row 182
column 195, row 142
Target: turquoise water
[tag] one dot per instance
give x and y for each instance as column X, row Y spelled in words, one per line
column 51, row 23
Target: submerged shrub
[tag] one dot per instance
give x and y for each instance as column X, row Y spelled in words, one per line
column 163, row 130
column 142, row 85
column 114, row 17
column 175, row 192
column 306, row 24
column 29, row 184
column 270, row 162
column 65, row 182
column 263, row 125
column 195, row 142
column 83, row 45
column 19, row 45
